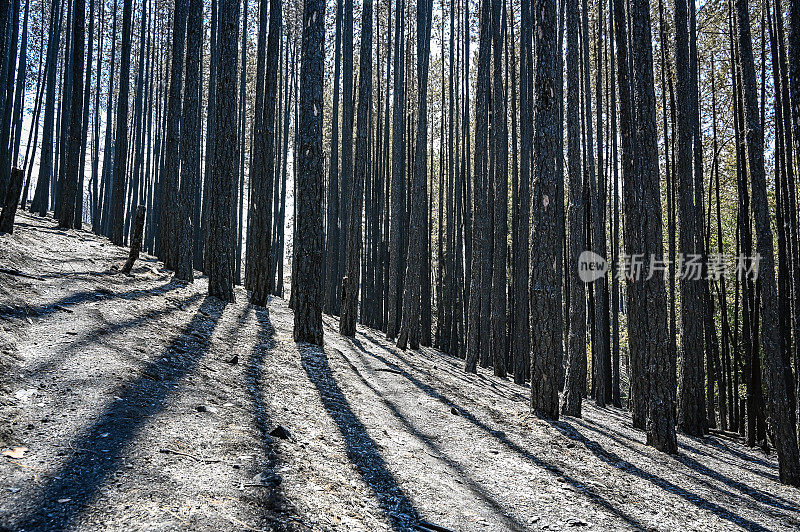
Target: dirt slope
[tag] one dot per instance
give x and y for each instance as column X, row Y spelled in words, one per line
column 146, row 405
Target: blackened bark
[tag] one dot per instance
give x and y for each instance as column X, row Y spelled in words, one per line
column 691, row 404
column 637, row 397
column 332, row 273
column 136, row 241
column 480, row 236
column 9, row 28
column 190, row 145
column 793, row 60
column 410, row 333
column 499, row 256
column 546, row 232
column 397, row 197
column 777, row 367
column 220, row 234
column 85, row 118
column 70, row 192
column 575, row 378
column 41, row 197
column 308, row 252
column 645, row 215
column 261, row 195
column 348, row 103
column 168, row 248
column 600, row 354
column 351, row 280
column 521, row 312
column 11, row 201
column 119, row 177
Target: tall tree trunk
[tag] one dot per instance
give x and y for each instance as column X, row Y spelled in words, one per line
column 645, row 217
column 260, row 249
column 70, row 193
column 119, row 177
column 480, row 236
column 309, row 240
column 546, row 232
column 778, row 370
column 500, row 145
column 351, row 280
column 410, row 333
column 41, row 197
column 575, row 378
column 190, row 144
column 691, row 405
column 332, row 273
column 168, row 249
column 397, row 199
column 220, row 235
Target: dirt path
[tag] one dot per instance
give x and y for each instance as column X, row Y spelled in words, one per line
column 146, row 405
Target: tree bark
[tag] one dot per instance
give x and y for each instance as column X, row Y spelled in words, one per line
column 778, row 370
column 119, row 176
column 220, row 233
column 644, row 215
column 351, row 281
column 546, row 232
column 309, row 239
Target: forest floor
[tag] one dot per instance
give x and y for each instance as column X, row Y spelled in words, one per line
column 144, row 404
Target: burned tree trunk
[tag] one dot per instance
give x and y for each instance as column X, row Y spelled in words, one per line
column 309, row 241
column 546, row 232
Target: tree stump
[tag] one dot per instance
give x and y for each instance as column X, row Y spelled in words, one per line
column 11, row 201
column 136, row 242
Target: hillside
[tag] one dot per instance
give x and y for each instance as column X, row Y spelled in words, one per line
column 144, row 404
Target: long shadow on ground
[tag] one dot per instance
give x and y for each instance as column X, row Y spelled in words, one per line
column 106, row 330
column 758, row 495
column 618, row 462
column 100, row 447
column 502, row 512
column 361, row 449
column 570, row 432
column 272, row 498
column 22, row 311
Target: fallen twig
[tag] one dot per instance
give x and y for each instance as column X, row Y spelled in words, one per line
column 9, row 271
column 389, row 370
column 63, row 308
column 193, row 457
column 425, row 526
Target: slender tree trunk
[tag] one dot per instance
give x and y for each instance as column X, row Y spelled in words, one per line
column 332, row 274
column 500, row 144
column 70, row 193
column 41, row 197
column 351, row 280
column 220, row 235
column 645, row 215
column 691, row 407
column 575, row 384
column 190, row 144
column 480, row 229
column 778, row 370
column 308, row 226
column 546, row 232
column 121, row 138
column 260, row 248
column 397, row 199
column 168, row 249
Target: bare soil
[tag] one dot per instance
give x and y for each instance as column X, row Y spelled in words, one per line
column 144, row 404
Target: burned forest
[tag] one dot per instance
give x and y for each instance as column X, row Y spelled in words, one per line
column 424, row 265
